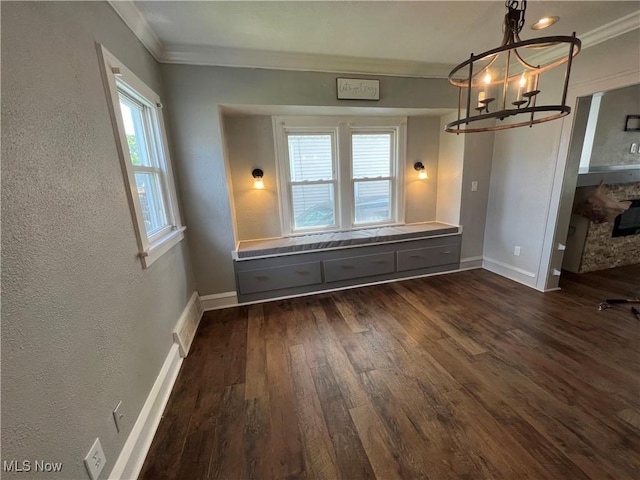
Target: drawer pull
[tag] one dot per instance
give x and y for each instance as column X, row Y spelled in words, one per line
column 302, row 272
column 346, row 267
column 445, row 251
column 379, row 262
column 262, row 277
column 416, row 256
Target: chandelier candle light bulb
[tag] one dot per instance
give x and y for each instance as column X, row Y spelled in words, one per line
column 481, row 97
column 521, row 86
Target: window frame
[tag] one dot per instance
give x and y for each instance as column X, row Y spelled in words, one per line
column 285, row 184
column 343, row 127
column 118, row 78
column 393, row 176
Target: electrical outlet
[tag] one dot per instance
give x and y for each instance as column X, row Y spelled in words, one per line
column 118, row 417
column 634, row 148
column 516, row 251
column 95, row 460
column 474, row 186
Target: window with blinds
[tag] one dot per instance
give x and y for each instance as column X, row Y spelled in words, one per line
column 312, row 176
column 372, row 168
column 339, row 173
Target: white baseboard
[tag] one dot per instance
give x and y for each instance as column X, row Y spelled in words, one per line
column 469, row 263
column 555, row 289
column 136, row 447
column 217, row 301
column 511, row 272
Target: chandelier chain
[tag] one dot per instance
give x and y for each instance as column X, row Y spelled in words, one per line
column 515, row 15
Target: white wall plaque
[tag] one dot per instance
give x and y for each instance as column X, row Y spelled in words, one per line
column 358, row 89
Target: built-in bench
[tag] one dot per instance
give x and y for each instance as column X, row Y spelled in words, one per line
column 281, row 267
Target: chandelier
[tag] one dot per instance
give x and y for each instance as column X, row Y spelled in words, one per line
column 505, row 83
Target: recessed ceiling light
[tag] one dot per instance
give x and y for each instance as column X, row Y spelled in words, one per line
column 544, row 22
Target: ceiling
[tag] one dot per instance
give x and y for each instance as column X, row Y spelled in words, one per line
column 423, row 38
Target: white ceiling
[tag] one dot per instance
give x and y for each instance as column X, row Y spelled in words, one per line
column 421, row 38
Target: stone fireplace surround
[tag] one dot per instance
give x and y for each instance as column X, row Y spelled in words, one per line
column 601, row 250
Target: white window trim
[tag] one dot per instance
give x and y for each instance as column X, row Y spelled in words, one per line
column 341, row 127
column 150, row 248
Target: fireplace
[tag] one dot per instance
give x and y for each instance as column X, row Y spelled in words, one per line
column 628, row 222
column 596, row 246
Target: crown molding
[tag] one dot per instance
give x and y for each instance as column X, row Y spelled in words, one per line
column 611, row 30
column 136, row 22
column 247, row 58
column 593, row 37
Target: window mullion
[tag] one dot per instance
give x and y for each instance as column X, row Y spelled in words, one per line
column 345, row 174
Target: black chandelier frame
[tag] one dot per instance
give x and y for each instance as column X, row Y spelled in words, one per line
column 527, row 105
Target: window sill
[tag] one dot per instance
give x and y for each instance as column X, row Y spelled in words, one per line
column 162, row 246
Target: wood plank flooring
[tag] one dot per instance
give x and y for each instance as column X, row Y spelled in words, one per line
column 459, row 376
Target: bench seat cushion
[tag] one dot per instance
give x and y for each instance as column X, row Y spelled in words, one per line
column 325, row 241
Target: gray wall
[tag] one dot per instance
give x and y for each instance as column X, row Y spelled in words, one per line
column 423, row 144
column 83, row 325
column 195, row 94
column 450, row 164
column 611, row 144
column 523, row 170
column 249, row 144
column 478, row 156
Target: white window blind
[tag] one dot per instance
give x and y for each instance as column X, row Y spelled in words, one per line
column 312, row 179
column 372, row 176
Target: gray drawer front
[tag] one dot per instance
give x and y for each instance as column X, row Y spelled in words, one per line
column 428, row 257
column 356, row 267
column 276, row 278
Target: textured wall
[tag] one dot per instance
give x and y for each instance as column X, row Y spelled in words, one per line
column 611, row 144
column 83, row 325
column 195, row 94
column 602, row 251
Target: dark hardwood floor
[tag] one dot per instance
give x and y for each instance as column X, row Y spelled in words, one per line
column 459, row 376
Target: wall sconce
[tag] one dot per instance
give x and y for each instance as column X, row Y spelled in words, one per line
column 257, row 175
column 422, row 173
